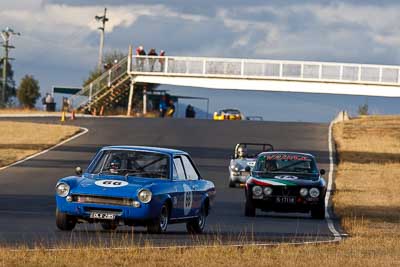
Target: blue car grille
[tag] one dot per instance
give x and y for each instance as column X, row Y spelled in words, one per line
column 92, row 199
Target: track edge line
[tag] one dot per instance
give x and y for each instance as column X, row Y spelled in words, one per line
column 337, row 236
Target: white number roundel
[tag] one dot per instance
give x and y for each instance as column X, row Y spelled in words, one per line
column 286, row 177
column 111, row 183
column 187, row 199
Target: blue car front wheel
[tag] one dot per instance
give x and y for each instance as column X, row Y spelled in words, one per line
column 64, row 221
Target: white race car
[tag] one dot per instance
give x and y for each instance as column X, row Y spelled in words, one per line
column 244, row 160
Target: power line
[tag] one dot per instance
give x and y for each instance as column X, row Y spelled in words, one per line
column 103, row 19
column 6, row 35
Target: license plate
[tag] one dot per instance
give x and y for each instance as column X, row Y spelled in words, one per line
column 286, row 200
column 102, row 216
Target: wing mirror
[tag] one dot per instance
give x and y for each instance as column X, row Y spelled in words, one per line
column 322, row 171
column 78, row 171
column 247, row 169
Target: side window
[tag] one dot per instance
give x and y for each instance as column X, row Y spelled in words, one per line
column 189, row 168
column 179, row 172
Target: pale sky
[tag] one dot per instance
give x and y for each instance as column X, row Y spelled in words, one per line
column 59, row 41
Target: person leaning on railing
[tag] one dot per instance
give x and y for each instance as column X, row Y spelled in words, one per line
column 140, row 61
column 162, row 60
column 152, row 53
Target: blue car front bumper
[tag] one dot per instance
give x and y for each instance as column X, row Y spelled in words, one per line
column 144, row 212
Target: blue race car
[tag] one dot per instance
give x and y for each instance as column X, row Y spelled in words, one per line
column 130, row 185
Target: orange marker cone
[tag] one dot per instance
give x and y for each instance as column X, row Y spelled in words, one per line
column 63, row 116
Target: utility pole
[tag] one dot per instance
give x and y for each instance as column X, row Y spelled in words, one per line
column 6, row 34
column 103, row 19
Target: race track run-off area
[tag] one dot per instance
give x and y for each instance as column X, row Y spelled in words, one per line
column 27, row 189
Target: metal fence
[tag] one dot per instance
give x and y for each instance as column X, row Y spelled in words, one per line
column 267, row 69
column 239, row 68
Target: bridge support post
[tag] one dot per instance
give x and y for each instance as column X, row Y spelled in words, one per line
column 144, row 100
column 130, row 100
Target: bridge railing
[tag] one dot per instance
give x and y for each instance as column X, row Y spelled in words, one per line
column 104, row 81
column 266, row 69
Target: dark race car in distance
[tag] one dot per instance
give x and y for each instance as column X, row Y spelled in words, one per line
column 286, row 182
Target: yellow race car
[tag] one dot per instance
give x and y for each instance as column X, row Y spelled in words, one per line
column 228, row 114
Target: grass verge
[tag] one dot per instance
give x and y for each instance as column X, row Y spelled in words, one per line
column 21, row 111
column 19, row 140
column 367, row 198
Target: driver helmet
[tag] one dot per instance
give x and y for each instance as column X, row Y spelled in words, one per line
column 242, row 151
column 115, row 165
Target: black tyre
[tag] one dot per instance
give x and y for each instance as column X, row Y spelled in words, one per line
column 318, row 212
column 109, row 226
column 160, row 224
column 232, row 184
column 197, row 225
column 64, row 221
column 249, row 209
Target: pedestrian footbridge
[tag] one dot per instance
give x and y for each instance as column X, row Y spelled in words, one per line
column 238, row 74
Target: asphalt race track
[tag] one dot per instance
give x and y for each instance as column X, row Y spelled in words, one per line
column 27, row 209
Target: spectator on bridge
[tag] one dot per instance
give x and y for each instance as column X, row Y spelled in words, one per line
column 162, row 60
column 140, row 61
column 107, row 66
column 163, row 106
column 152, row 59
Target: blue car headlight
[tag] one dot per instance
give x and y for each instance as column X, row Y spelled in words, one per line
column 145, row 195
column 62, row 189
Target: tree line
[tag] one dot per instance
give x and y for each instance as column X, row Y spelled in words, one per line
column 28, row 91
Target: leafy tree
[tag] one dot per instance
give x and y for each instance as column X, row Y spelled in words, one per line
column 108, row 59
column 10, row 84
column 93, row 75
column 28, row 91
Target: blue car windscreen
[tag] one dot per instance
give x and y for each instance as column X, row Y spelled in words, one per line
column 132, row 163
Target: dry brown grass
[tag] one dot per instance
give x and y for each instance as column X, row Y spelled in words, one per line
column 21, row 111
column 353, row 252
column 19, row 140
column 367, row 199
